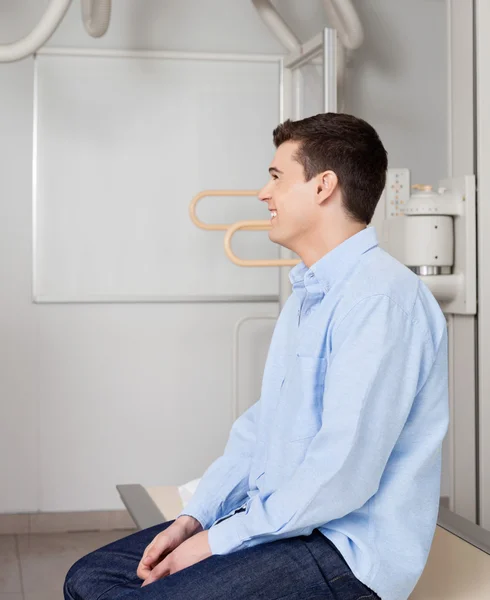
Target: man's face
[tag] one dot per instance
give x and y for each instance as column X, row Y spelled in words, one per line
column 290, row 198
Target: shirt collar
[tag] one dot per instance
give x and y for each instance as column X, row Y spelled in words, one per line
column 335, row 265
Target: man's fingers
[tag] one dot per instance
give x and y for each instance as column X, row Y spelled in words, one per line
column 160, row 571
column 147, row 549
column 143, row 571
column 146, row 562
column 147, row 559
column 153, row 554
column 156, row 552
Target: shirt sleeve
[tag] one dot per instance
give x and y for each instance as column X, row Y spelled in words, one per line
column 380, row 360
column 224, row 485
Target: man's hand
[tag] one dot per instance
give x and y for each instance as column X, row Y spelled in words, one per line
column 187, row 554
column 165, row 542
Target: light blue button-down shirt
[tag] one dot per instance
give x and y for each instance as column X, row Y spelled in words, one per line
column 347, row 434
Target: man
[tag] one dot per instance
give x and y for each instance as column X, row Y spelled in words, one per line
column 329, row 485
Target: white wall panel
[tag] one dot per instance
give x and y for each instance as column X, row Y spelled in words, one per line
column 150, row 402
column 123, row 145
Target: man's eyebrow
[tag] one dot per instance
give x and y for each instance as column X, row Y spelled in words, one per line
column 275, row 170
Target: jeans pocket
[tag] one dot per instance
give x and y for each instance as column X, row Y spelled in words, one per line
column 348, row 587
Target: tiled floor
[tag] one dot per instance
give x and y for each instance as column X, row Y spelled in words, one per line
column 33, row 567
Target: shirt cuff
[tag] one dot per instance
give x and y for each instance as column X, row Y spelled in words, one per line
column 194, row 515
column 223, row 537
column 193, row 509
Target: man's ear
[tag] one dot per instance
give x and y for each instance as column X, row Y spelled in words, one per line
column 327, row 184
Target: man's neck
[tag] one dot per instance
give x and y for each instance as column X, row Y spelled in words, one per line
column 315, row 247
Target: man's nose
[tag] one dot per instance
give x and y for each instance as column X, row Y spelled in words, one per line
column 264, row 194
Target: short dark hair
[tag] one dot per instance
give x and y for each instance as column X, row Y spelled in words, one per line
column 346, row 145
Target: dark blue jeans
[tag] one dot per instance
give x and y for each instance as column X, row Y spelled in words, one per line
column 300, row 568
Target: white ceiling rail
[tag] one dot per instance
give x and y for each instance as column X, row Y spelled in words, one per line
column 96, row 15
column 343, row 17
column 38, row 36
column 277, row 25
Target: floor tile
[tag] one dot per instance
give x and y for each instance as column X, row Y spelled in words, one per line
column 17, row 596
column 53, row 595
column 46, row 558
column 9, row 565
column 12, row 524
column 7, row 544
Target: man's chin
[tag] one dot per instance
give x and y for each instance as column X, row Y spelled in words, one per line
column 275, row 237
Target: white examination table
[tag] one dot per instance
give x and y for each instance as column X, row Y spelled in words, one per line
column 458, row 567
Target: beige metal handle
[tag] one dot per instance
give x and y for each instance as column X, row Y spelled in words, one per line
column 253, row 226
column 210, row 193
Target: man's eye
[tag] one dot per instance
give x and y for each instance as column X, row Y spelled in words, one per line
column 275, row 177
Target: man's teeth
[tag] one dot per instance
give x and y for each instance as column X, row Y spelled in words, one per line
column 273, row 214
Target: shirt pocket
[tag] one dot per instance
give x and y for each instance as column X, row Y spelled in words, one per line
column 307, row 398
